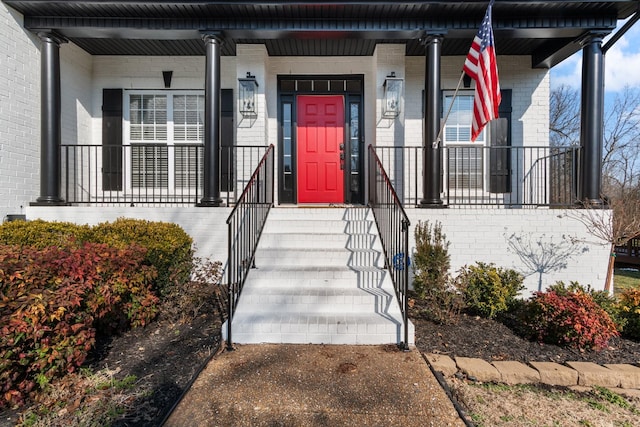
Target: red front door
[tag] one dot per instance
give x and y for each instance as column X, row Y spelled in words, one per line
column 320, row 137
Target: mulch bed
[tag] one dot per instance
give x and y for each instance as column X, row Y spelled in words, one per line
column 166, row 356
column 471, row 336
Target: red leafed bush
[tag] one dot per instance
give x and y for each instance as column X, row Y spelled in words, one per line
column 51, row 301
column 570, row 319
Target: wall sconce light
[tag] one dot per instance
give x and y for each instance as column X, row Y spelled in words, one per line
column 392, row 95
column 248, row 91
column 166, row 76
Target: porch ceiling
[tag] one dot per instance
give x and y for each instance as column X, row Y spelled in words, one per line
column 549, row 31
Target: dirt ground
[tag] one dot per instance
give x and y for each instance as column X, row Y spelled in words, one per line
column 162, row 359
column 496, row 405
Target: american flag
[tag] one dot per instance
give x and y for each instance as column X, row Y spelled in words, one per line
column 481, row 66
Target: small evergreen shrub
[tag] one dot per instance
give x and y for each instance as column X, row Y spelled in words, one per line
column 629, row 310
column 431, row 259
column 488, row 290
column 432, row 283
column 568, row 318
column 41, row 234
column 51, row 301
column 169, row 247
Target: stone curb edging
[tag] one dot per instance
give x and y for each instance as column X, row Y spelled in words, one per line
column 623, row 376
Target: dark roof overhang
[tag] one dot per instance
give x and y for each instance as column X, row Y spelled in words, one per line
column 548, row 31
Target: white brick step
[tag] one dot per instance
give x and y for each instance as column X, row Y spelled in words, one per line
column 306, row 257
column 313, row 280
column 316, row 300
column 305, row 273
column 311, row 328
column 297, row 214
column 311, row 226
column 320, row 240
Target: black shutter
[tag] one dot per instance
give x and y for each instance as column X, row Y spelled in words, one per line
column 499, row 157
column 112, row 139
column 226, row 140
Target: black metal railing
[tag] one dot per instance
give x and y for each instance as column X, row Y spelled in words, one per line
column 393, row 226
column 245, row 224
column 150, row 174
column 479, row 175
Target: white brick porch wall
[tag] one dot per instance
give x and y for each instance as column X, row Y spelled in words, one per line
column 476, row 234
column 19, row 114
column 491, row 235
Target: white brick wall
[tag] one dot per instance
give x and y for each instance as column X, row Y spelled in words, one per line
column 19, row 114
column 546, row 245
column 389, row 58
column 76, row 67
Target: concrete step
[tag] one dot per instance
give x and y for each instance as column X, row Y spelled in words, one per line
column 313, row 328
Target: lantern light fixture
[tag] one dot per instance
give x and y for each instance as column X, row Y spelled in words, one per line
column 248, row 92
column 392, row 96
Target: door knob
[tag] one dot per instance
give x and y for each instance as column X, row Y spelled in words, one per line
column 341, row 156
column 341, row 147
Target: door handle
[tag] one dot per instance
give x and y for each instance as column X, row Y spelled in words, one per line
column 341, row 156
column 341, row 147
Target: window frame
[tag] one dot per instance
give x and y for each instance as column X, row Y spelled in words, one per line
column 481, row 144
column 171, row 143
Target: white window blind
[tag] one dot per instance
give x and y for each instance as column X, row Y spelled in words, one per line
column 465, row 160
column 166, row 133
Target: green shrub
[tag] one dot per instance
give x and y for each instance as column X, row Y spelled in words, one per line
column 568, row 318
column 489, row 290
column 41, row 234
column 169, row 248
column 51, row 301
column 431, row 259
column 432, row 283
column 629, row 310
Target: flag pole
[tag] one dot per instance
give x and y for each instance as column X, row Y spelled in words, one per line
column 446, row 116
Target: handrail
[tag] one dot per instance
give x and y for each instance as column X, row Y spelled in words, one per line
column 393, row 226
column 245, row 224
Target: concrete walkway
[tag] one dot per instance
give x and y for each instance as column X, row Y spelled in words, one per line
column 315, row 385
column 341, row 385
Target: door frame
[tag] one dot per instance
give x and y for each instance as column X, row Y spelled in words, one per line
column 351, row 87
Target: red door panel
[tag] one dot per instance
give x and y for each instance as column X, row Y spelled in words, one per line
column 320, row 133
